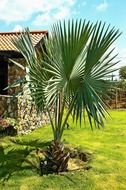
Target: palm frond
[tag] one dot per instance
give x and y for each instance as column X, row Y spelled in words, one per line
column 71, row 70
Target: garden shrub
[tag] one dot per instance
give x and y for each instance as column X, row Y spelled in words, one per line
column 8, row 127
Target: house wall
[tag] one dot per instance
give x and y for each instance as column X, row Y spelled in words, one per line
column 14, row 73
column 22, row 107
column 8, row 104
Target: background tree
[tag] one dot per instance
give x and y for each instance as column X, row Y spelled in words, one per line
column 122, row 72
column 70, row 77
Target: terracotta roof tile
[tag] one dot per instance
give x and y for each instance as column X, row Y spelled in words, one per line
column 6, row 39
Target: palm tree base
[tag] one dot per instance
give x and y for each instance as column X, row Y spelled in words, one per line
column 56, row 158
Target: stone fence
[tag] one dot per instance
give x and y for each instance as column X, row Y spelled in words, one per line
column 8, row 106
column 23, row 109
column 28, row 117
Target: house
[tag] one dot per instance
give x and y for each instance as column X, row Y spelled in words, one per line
column 9, row 71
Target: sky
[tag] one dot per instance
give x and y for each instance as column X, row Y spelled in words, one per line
column 41, row 14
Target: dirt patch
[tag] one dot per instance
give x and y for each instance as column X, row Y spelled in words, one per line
column 79, row 160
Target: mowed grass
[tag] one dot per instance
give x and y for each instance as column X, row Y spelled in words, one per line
column 107, row 145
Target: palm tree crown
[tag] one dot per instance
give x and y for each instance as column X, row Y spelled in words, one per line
column 69, row 72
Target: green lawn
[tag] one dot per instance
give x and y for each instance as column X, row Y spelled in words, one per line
column 108, row 165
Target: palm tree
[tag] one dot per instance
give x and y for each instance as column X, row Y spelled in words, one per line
column 68, row 75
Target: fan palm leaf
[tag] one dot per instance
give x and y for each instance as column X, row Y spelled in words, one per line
column 70, row 72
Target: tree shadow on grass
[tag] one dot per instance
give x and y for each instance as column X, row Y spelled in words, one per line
column 12, row 158
column 30, row 144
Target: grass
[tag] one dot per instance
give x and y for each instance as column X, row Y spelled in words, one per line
column 108, row 146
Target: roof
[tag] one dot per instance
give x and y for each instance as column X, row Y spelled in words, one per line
column 6, row 38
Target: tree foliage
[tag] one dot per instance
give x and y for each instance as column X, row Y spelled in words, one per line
column 122, row 72
column 70, row 76
column 121, row 84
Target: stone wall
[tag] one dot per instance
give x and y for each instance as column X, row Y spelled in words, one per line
column 28, row 117
column 8, row 106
